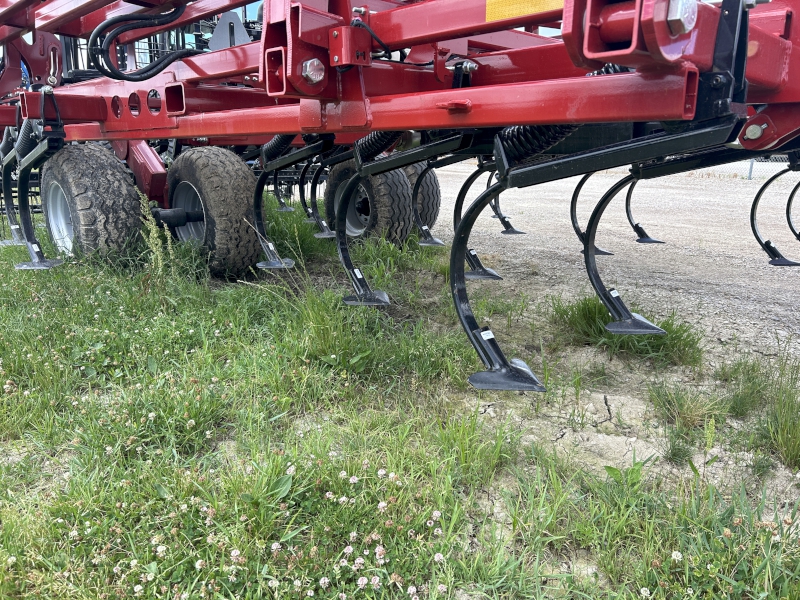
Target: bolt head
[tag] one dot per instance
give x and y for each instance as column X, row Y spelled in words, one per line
column 313, row 71
column 753, row 132
column 682, row 16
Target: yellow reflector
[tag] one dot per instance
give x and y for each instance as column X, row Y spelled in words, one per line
column 497, row 10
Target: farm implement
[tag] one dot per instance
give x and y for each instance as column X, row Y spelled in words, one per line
column 208, row 110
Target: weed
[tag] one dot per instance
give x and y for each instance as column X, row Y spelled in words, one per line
column 678, row 450
column 684, row 407
column 748, row 385
column 584, row 320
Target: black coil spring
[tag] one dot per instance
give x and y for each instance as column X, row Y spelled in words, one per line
column 521, row 142
column 8, row 142
column 26, row 141
column 376, row 142
column 275, row 147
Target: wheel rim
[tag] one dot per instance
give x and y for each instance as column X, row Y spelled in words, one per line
column 59, row 218
column 358, row 213
column 188, row 198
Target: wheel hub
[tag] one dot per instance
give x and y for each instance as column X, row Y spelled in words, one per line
column 188, row 198
column 358, row 213
column 59, row 218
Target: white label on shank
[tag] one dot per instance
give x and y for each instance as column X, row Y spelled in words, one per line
column 425, row 228
column 358, row 273
column 472, row 252
column 324, row 224
column 615, row 293
column 487, row 335
column 35, row 247
column 271, row 247
column 15, row 227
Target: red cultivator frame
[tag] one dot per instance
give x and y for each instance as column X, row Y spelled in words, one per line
column 329, row 86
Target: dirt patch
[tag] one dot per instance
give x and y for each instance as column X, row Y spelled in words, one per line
column 710, row 272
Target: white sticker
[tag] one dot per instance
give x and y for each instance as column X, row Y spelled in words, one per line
column 358, row 273
column 425, row 228
column 487, row 335
column 472, row 252
column 35, row 247
column 324, row 224
column 271, row 247
column 15, row 227
column 614, row 293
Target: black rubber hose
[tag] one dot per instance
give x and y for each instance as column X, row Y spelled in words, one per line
column 275, row 147
column 100, row 54
column 7, row 145
column 376, row 142
column 26, row 141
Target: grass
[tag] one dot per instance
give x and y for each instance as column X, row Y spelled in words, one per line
column 583, row 321
column 164, row 435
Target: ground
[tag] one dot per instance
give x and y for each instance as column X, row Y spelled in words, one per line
column 164, row 434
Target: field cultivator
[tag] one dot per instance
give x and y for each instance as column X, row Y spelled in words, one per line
column 207, row 110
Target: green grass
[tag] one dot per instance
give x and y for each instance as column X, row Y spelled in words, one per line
column 583, row 321
column 164, row 435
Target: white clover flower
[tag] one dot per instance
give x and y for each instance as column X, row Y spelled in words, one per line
column 329, row 496
column 362, row 583
column 11, row 560
column 342, row 474
column 291, row 470
column 151, row 416
column 438, row 557
column 677, row 556
column 324, row 583
column 441, row 588
column 353, row 536
column 436, row 515
column 348, row 550
column 137, row 589
column 190, row 423
column 276, row 546
column 376, row 582
column 134, row 562
column 273, row 583
column 382, row 506
column 644, row 593
column 689, row 591
column 354, row 479
column 381, row 473
column 310, row 593
column 235, row 553
column 343, row 500
column 199, row 564
column 411, row 590
column 297, row 583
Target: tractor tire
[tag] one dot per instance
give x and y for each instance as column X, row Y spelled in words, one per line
column 429, row 200
column 220, row 184
column 382, row 205
column 89, row 201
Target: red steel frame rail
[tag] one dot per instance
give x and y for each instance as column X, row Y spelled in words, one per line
column 526, row 79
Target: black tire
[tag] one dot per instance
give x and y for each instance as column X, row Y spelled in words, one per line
column 383, row 208
column 225, row 186
column 89, row 200
column 429, row 200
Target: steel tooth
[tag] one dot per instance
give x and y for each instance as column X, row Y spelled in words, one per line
column 624, row 321
column 641, row 234
column 500, row 373
column 573, row 215
column 776, row 259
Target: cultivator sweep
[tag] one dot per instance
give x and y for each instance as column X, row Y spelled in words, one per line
column 207, row 110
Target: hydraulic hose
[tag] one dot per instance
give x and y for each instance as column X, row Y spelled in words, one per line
column 100, row 54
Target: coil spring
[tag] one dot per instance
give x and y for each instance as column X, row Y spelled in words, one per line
column 520, row 142
column 275, row 147
column 8, row 142
column 26, row 141
column 376, row 142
